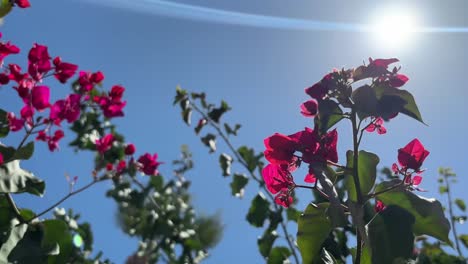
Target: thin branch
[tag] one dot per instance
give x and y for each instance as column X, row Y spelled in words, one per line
column 454, row 229
column 357, row 183
column 252, row 175
column 373, row 195
column 67, row 196
column 12, row 204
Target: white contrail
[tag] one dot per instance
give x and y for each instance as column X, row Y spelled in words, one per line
column 192, row 12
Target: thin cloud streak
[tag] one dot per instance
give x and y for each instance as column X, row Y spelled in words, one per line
column 206, row 14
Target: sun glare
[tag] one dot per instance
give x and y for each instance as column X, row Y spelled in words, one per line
column 394, row 28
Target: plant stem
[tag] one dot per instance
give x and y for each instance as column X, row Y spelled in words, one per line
column 452, row 222
column 356, row 181
column 68, row 196
column 12, row 204
column 373, row 195
column 252, row 175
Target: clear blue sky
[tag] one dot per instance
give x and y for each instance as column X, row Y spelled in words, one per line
column 260, row 71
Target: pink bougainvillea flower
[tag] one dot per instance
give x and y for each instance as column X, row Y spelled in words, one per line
column 109, row 166
column 284, row 199
column 149, row 164
column 315, row 148
column 277, row 178
column 15, row 73
column 121, row 166
column 105, row 143
column 54, row 140
column 412, row 155
column 398, row 80
column 64, row 70
column 309, row 108
column 395, row 168
column 378, row 67
column 1, row 159
column 379, row 206
column 6, row 48
column 22, row 3
column 87, row 80
column 116, row 93
column 279, row 149
column 310, row 177
column 316, row 91
column 27, row 113
column 42, row 136
column 4, row 78
column 68, row 109
column 39, row 61
column 377, row 124
column 40, row 96
column 14, row 123
column 130, row 149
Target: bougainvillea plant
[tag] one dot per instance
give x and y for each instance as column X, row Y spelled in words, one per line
column 157, row 212
column 388, row 218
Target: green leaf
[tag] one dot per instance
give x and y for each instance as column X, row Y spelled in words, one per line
column 232, row 131
column 258, row 211
column 186, row 115
column 201, row 123
column 180, row 94
column 248, row 155
column 443, row 189
column 216, row 113
column 461, row 204
column 429, row 215
column 13, row 179
column 365, row 101
column 464, row 240
column 4, row 128
column 292, row 214
column 367, row 171
column 409, row 108
column 390, row 235
column 313, row 229
column 327, row 258
column 25, row 152
column 329, row 113
column 15, row 235
column 278, row 255
column 238, row 183
column 265, row 243
column 56, row 232
column 384, row 101
column 225, row 162
column 210, row 141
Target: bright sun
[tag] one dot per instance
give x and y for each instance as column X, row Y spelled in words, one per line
column 394, row 28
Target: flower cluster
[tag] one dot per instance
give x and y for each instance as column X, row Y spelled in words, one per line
column 36, row 95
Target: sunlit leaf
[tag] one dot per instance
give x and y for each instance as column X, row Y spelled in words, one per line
column 258, row 211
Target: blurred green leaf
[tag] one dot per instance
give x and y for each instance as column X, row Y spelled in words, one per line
column 329, row 113
column 390, row 235
column 258, row 211
column 327, row 258
column 180, row 94
column 265, row 243
column 216, row 113
column 442, row 189
column 210, row 141
column 225, row 162
column 13, row 179
column 461, row 204
column 278, row 255
column 15, row 235
column 313, row 229
column 238, row 183
column 429, row 215
column 293, row 214
column 232, row 131
column 367, row 171
column 56, row 232
column 464, row 240
column 25, row 152
column 248, row 155
column 4, row 127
